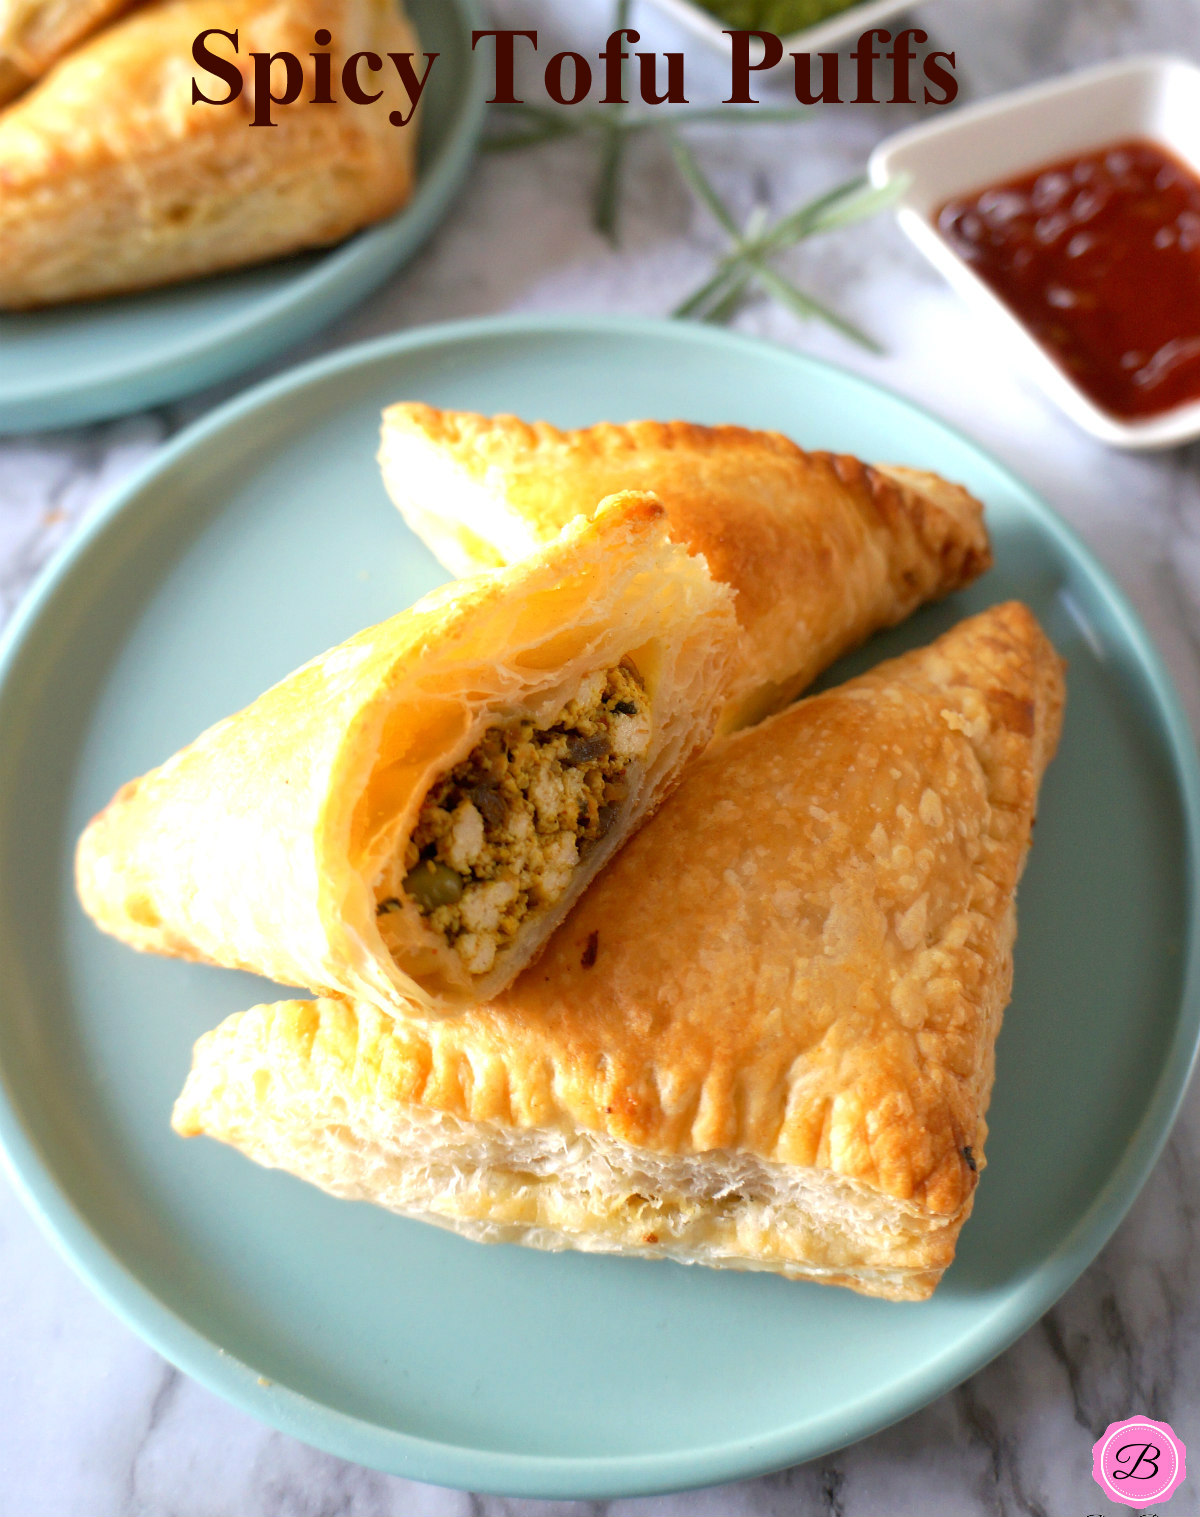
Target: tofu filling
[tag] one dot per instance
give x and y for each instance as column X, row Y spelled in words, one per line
column 500, row 835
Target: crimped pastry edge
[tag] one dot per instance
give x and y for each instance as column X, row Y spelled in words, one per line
column 253, row 1086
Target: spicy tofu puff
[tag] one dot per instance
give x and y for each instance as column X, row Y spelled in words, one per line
column 114, row 178
column 410, row 814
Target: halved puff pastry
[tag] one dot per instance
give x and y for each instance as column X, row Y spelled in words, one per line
column 36, row 33
column 763, row 1039
column 112, row 179
column 411, row 813
column 821, row 549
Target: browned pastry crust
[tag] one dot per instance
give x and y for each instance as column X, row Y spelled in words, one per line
column 36, row 33
column 263, row 844
column 763, row 1039
column 111, row 179
column 821, row 549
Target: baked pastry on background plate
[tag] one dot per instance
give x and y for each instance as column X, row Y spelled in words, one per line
column 763, row 1039
column 411, row 813
column 35, row 33
column 821, row 549
column 114, row 180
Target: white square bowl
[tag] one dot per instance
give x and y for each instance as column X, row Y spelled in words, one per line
column 1012, row 135
column 845, row 26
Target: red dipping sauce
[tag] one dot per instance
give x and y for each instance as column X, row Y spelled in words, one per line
column 1099, row 256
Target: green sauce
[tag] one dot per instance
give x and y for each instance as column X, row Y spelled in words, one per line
column 779, row 16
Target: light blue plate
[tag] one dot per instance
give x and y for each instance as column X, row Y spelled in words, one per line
column 262, row 536
column 77, row 363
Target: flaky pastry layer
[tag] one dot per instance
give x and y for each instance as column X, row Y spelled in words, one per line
column 820, row 549
column 277, row 1082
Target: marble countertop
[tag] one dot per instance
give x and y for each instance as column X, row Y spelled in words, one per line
column 91, row 1420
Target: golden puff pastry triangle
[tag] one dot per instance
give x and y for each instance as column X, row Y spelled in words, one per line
column 410, row 814
column 112, row 179
column 822, row 550
column 764, row 1037
column 34, row 34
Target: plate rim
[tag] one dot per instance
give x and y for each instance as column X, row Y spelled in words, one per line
column 346, row 273
column 598, row 1476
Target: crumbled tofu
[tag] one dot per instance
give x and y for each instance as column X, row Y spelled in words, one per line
column 502, row 833
column 561, row 855
column 465, row 839
column 630, row 734
column 477, row 950
column 482, row 909
column 591, row 690
column 548, row 794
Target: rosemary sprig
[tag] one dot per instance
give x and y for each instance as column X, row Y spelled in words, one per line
column 747, row 265
column 612, row 149
column 614, row 126
column 748, row 262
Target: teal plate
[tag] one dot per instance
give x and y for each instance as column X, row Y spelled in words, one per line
column 262, row 536
column 77, row 363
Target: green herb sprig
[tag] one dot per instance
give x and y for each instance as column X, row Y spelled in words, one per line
column 613, row 126
column 747, row 266
column 748, row 263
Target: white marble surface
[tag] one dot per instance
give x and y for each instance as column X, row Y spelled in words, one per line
column 93, row 1422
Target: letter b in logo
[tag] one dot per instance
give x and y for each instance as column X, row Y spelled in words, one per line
column 1136, row 1461
column 1139, row 1462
